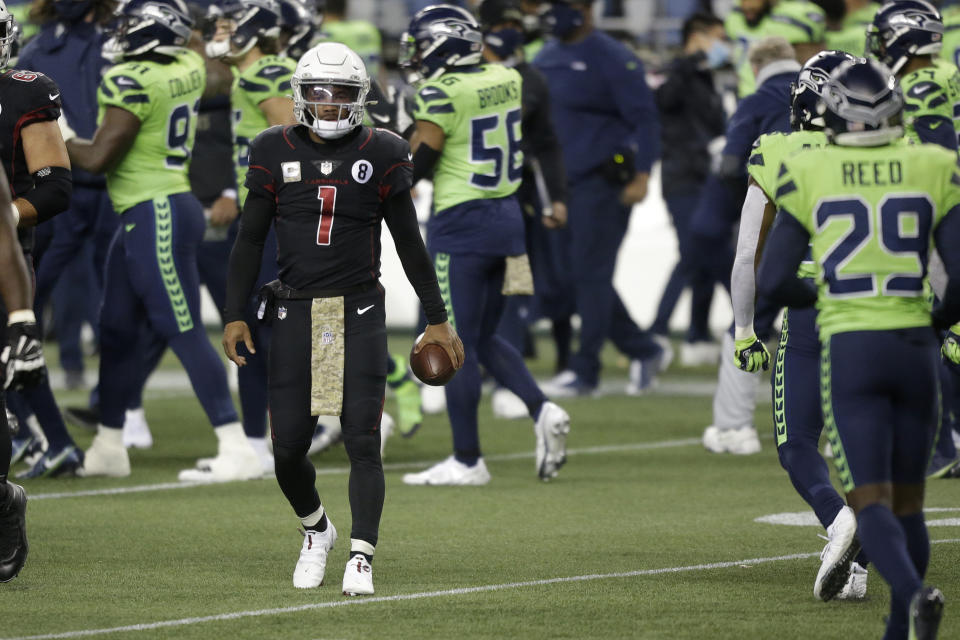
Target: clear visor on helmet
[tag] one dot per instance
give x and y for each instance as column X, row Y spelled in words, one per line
column 406, row 57
column 875, row 46
column 330, row 101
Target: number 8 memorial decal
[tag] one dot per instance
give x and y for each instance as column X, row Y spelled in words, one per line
column 328, row 202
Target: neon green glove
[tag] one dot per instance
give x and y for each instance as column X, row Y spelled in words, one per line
column 751, row 355
column 951, row 346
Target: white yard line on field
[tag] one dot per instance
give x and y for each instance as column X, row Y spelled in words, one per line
column 397, row 466
column 236, row 615
column 256, row 613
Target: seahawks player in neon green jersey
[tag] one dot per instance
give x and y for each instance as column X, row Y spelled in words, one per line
column 907, row 36
column 468, row 134
column 147, row 123
column 797, row 419
column 802, row 23
column 848, row 33
column 951, row 35
column 870, row 206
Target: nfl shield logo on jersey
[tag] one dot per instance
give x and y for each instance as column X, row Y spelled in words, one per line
column 281, row 312
column 326, row 167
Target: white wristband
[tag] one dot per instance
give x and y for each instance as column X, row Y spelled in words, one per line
column 21, row 315
column 15, row 212
column 229, row 193
column 742, row 333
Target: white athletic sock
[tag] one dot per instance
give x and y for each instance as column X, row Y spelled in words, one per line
column 312, row 519
column 260, row 446
column 361, row 546
column 113, row 437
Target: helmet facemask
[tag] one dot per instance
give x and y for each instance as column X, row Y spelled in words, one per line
column 8, row 37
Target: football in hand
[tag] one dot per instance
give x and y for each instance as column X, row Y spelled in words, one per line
column 432, row 365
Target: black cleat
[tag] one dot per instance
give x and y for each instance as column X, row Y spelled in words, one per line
column 926, row 609
column 13, row 531
column 83, row 417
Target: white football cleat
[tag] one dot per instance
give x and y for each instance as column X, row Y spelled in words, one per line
column 508, row 405
column 387, row 426
column 312, row 563
column 743, row 441
column 236, row 459
column 328, row 433
column 432, row 399
column 136, row 431
column 551, row 429
column 358, row 577
column 856, row 587
column 450, row 472
column 838, row 554
column 106, row 456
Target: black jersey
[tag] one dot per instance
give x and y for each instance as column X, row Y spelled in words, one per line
column 26, row 97
column 329, row 201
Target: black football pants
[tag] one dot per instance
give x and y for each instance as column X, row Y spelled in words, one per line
column 364, row 378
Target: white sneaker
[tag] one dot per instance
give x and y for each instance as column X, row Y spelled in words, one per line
column 450, row 472
column 508, row 405
column 387, row 426
column 433, row 400
column 551, row 430
column 313, row 557
column 136, row 431
column 358, row 577
column 236, row 459
column 106, row 456
column 327, row 434
column 699, row 354
column 743, row 441
column 835, row 559
column 643, row 372
column 856, row 587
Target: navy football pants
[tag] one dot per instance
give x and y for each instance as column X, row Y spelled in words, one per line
column 151, row 277
column 471, row 285
column 797, row 413
column 879, row 391
column 596, row 227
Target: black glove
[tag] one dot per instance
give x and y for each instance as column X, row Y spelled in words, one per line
column 22, row 358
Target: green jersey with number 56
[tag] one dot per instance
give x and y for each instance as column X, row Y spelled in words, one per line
column 479, row 112
column 871, row 213
column 164, row 97
column 268, row 77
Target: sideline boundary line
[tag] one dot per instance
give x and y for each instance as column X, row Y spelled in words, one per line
column 237, row 615
column 396, row 466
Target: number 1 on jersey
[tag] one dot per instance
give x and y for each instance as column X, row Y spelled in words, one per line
column 328, row 202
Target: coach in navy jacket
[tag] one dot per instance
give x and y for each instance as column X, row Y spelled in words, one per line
column 606, row 119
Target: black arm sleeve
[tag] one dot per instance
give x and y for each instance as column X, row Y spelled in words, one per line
column 401, row 218
column 423, row 162
column 947, row 239
column 50, row 195
column 783, row 252
column 258, row 212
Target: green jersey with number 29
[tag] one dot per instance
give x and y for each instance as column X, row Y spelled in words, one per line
column 479, row 112
column 871, row 213
column 164, row 97
column 268, row 77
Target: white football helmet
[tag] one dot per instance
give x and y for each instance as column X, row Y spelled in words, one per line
column 330, row 88
column 8, row 34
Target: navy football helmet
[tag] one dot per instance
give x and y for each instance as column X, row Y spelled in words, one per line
column 904, row 29
column 251, row 20
column 861, row 105
column 145, row 26
column 439, row 38
column 297, row 28
column 807, row 90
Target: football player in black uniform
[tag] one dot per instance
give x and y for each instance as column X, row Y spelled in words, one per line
column 37, row 168
column 326, row 184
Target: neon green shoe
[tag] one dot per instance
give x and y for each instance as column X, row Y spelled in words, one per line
column 409, row 416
